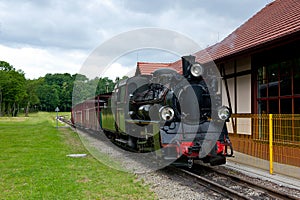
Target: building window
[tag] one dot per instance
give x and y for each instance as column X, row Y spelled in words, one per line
column 278, row 88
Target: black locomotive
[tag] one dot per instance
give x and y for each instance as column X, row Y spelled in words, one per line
column 179, row 117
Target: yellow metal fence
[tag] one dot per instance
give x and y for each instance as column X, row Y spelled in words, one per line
column 272, row 138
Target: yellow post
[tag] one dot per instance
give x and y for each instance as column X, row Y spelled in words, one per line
column 271, row 142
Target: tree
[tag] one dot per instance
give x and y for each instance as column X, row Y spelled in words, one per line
column 82, row 88
column 104, row 85
column 62, row 84
column 12, row 86
column 5, row 66
column 31, row 98
column 3, row 79
column 49, row 96
column 46, row 93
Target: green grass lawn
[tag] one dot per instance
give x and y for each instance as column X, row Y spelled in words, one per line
column 34, row 165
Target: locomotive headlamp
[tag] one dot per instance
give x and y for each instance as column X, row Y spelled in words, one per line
column 166, row 113
column 224, row 113
column 196, row 70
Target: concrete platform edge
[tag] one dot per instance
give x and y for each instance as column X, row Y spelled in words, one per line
column 259, row 168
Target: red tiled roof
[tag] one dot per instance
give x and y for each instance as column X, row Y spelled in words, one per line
column 177, row 66
column 276, row 20
column 146, row 68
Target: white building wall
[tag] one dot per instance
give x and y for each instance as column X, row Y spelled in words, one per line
column 242, row 90
column 244, row 94
column 225, row 100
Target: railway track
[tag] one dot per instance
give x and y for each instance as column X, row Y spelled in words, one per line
column 233, row 187
column 228, row 185
column 66, row 121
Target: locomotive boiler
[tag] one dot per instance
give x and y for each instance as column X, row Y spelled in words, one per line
column 178, row 116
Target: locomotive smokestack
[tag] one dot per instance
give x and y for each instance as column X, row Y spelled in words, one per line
column 186, row 61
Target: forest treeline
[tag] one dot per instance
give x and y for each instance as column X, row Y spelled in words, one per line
column 20, row 95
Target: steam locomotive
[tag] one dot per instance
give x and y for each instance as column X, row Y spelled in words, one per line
column 179, row 117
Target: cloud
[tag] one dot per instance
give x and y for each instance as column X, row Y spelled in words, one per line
column 78, row 24
column 118, row 70
column 55, row 35
column 32, row 24
column 37, row 62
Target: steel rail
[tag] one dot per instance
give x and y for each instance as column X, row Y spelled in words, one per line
column 232, row 194
column 260, row 187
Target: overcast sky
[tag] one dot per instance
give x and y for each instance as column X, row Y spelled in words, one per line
column 55, row 36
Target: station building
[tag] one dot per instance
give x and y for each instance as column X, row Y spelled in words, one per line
column 260, row 63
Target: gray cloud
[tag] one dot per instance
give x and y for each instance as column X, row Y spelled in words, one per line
column 73, row 25
column 44, row 25
column 79, row 24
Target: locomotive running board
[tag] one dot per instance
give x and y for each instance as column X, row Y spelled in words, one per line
column 121, row 141
column 170, row 158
